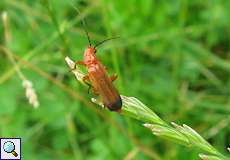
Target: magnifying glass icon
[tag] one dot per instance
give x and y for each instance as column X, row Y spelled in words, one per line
column 9, row 147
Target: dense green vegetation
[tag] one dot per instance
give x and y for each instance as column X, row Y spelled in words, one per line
column 172, row 55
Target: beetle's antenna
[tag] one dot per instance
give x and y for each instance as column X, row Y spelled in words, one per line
column 98, row 44
column 83, row 23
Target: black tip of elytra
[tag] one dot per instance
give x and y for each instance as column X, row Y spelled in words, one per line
column 116, row 106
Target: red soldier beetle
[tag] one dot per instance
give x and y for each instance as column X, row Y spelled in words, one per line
column 97, row 76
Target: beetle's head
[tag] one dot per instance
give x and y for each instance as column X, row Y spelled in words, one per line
column 90, row 55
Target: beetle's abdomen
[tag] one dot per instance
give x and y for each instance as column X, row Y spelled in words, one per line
column 115, row 106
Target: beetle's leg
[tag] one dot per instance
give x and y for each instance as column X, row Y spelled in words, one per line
column 76, row 63
column 86, row 79
column 95, row 91
column 113, row 77
column 87, row 82
column 89, row 86
column 80, row 63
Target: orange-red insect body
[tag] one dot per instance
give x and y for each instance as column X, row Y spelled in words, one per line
column 97, row 76
column 101, row 83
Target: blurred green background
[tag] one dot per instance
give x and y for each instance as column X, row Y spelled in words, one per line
column 172, row 55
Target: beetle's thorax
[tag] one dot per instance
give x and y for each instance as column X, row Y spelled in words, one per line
column 90, row 56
